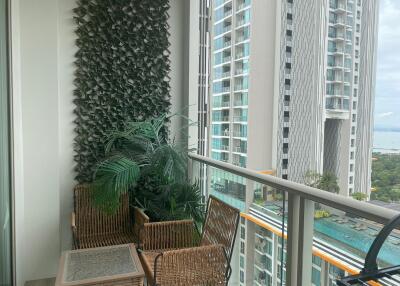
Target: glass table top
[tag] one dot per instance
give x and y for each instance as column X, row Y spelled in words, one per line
column 97, row 263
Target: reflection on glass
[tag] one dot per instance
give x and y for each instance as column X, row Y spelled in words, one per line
column 5, row 210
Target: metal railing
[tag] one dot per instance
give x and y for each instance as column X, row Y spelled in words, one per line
column 300, row 213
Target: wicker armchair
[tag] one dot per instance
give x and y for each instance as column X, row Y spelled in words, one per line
column 92, row 228
column 173, row 253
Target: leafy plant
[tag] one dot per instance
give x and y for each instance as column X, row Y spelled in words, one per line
column 321, row 214
column 141, row 159
column 327, row 181
column 359, row 196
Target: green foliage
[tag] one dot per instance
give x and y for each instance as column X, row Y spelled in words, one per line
column 141, row 159
column 122, row 67
column 386, row 177
column 327, row 181
column 321, row 214
column 115, row 175
column 174, row 201
column 359, row 196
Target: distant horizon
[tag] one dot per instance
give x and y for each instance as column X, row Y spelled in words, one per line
column 386, row 129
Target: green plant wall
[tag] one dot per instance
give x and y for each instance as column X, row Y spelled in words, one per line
column 122, row 67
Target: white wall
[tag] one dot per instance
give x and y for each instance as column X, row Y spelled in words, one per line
column 43, row 56
column 39, row 93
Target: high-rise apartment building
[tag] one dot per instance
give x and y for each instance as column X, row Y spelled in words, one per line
column 291, row 91
column 292, row 87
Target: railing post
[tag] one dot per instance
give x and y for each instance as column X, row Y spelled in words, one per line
column 299, row 241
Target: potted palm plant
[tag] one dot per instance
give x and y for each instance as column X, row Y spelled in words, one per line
column 142, row 160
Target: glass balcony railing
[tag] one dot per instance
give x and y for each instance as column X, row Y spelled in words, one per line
column 240, row 118
column 243, row 5
column 219, row 104
column 285, row 225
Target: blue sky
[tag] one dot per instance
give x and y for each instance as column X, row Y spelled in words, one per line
column 387, row 102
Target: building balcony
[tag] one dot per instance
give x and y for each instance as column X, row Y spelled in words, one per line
column 241, row 6
column 221, row 119
column 65, row 118
column 240, row 118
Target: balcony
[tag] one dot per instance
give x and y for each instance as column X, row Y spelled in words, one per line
column 333, row 227
column 73, row 90
column 240, row 118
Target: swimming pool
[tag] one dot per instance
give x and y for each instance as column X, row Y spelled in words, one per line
column 354, row 241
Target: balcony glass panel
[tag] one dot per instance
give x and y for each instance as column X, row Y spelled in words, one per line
column 243, row 34
column 220, row 101
column 240, row 131
column 220, row 115
column 345, row 239
column 222, row 13
column 220, row 129
column 339, row 240
column 241, row 4
column 220, row 87
column 222, row 42
column 222, row 27
column 331, row 46
column 244, row 18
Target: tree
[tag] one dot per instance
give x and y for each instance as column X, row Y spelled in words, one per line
column 359, row 196
column 326, row 181
column 386, row 177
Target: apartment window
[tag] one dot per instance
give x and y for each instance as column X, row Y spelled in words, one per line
column 287, row 100
column 351, row 167
column 356, row 67
column 288, row 68
column 285, row 177
column 242, row 220
column 352, row 155
column 288, row 51
column 358, row 2
column 286, row 116
column 285, row 148
column 358, row 28
column 354, row 117
column 353, row 130
column 241, row 262
column 289, row 16
column 290, row 1
column 350, row 191
column 285, row 163
column 355, row 92
column 287, row 81
column 351, row 179
column 242, row 233
column 285, row 132
column 356, row 80
column 242, row 247
column 354, row 104
column 241, row 276
column 352, row 142
column 356, row 54
column 358, row 15
column 357, row 41
column 289, row 34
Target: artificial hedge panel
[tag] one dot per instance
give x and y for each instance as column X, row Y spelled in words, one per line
column 122, row 67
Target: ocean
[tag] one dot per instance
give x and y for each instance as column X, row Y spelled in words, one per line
column 386, row 142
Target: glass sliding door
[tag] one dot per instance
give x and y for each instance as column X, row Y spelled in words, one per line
column 5, row 182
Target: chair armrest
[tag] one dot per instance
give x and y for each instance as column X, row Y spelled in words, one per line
column 140, row 218
column 74, row 231
column 168, row 235
column 204, row 265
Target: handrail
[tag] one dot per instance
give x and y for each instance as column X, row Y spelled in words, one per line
column 355, row 207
